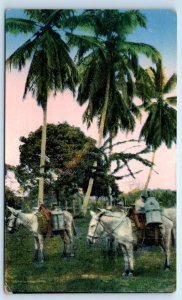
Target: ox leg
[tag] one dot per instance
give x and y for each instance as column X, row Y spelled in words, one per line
column 42, row 251
column 63, row 237
column 66, row 242
column 72, row 244
column 110, row 245
column 129, row 248
column 165, row 243
column 167, row 256
column 128, row 259
column 69, row 240
column 36, row 247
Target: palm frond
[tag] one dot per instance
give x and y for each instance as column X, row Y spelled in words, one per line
column 38, row 78
column 22, row 54
column 160, row 126
column 142, row 48
column 136, row 111
column 126, row 157
column 92, row 79
column 17, row 26
column 127, row 175
column 144, row 151
column 105, row 144
column 88, row 115
column 51, row 69
column 129, row 20
column 145, row 87
column 170, row 84
column 83, row 42
column 84, row 22
column 172, row 100
column 38, row 14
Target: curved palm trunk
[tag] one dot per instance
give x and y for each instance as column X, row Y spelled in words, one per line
column 42, row 158
column 99, row 141
column 150, row 172
column 112, row 135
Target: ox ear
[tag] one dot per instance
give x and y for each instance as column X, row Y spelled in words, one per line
column 92, row 213
column 101, row 209
column 12, row 210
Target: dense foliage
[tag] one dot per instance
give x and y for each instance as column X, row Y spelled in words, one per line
column 69, row 164
column 166, row 198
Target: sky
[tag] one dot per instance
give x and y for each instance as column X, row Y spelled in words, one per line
column 24, row 116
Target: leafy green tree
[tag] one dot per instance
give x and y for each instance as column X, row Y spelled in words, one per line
column 108, row 62
column 67, row 160
column 160, row 125
column 51, row 67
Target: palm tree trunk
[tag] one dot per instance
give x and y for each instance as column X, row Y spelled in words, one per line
column 150, row 172
column 99, row 141
column 109, row 173
column 42, row 158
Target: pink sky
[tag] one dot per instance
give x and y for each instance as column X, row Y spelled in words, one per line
column 22, row 117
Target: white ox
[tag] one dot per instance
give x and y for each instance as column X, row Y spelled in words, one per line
column 117, row 226
column 30, row 221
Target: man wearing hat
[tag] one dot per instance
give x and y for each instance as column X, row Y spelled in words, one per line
column 78, row 200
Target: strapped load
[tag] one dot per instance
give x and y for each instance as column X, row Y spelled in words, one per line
column 42, row 222
column 149, row 233
column 147, row 217
column 57, row 219
column 152, row 212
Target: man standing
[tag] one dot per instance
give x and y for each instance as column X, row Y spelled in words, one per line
column 78, row 201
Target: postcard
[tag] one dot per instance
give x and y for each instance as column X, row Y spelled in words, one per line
column 90, row 151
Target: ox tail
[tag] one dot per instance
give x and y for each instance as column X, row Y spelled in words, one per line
column 173, row 238
column 74, row 228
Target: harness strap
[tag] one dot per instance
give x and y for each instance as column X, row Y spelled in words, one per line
column 154, row 209
column 167, row 218
column 109, row 232
column 94, row 236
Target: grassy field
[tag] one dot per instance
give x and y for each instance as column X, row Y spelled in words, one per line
column 90, row 271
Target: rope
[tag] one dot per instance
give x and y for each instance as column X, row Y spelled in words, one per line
column 102, row 224
column 111, row 232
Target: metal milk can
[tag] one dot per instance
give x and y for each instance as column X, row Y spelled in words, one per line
column 57, row 219
column 152, row 211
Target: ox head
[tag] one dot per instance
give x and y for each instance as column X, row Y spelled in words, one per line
column 13, row 221
column 13, row 211
column 96, row 228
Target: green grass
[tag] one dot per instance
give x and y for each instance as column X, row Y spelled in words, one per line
column 90, row 271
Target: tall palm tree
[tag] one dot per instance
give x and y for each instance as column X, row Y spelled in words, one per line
column 108, row 62
column 51, row 67
column 160, row 125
